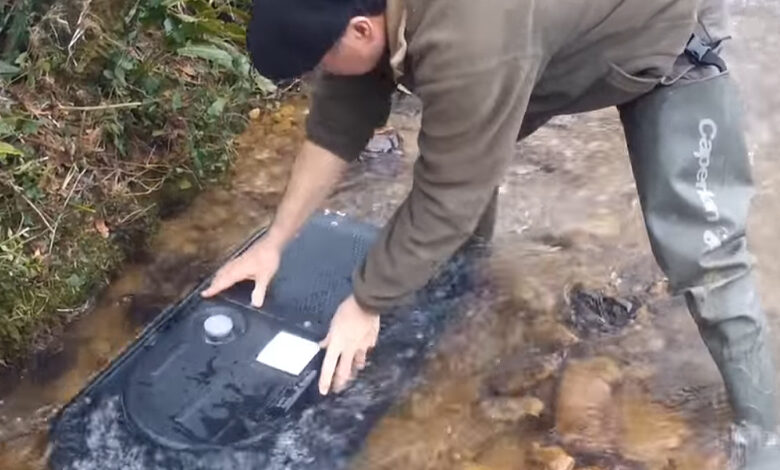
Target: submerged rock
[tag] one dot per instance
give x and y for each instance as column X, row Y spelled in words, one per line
column 507, row 452
column 648, row 431
column 511, row 409
column 549, row 458
column 531, row 295
column 585, row 412
column 594, row 313
column 520, row 375
column 510, row 452
column 593, row 415
column 549, row 332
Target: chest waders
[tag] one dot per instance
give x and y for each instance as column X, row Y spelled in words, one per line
column 693, row 175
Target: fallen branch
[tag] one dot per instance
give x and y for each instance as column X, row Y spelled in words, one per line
column 147, row 189
column 134, row 215
column 289, row 87
column 132, row 104
column 20, row 192
column 37, row 211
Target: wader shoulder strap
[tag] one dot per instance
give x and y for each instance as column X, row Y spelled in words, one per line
column 703, row 53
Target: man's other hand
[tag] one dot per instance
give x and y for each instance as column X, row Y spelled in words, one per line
column 353, row 332
column 259, row 263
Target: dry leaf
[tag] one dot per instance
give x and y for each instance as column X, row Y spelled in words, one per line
column 254, row 114
column 187, row 69
column 91, row 140
column 102, row 228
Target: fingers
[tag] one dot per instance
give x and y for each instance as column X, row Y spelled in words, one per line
column 224, row 279
column 344, row 370
column 325, row 342
column 245, row 267
column 340, row 367
column 259, row 263
column 258, row 295
column 351, row 335
column 360, row 360
column 328, row 369
column 262, row 279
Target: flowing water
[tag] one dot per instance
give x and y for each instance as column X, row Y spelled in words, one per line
column 513, row 385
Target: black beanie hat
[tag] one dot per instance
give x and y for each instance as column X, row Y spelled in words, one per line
column 287, row 38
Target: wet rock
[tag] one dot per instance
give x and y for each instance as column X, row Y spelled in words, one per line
column 593, row 415
column 594, row 313
column 511, row 409
column 648, row 431
column 548, row 332
column 517, row 376
column 690, row 459
column 549, row 458
column 529, row 295
column 382, row 155
column 659, row 288
column 585, row 411
column 507, row 452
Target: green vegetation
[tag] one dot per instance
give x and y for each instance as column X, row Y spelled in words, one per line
column 106, row 106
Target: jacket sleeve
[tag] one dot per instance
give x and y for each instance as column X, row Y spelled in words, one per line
column 345, row 110
column 474, row 98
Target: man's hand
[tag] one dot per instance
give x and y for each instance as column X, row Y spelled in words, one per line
column 353, row 332
column 259, row 263
column 314, row 175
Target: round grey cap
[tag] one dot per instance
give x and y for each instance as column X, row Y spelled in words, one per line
column 218, row 326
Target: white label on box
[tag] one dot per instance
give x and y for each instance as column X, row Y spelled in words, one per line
column 288, row 353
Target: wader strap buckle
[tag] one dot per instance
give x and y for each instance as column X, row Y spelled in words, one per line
column 704, row 54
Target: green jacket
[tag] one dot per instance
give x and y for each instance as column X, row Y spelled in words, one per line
column 489, row 72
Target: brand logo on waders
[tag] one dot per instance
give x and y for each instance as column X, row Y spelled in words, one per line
column 708, row 130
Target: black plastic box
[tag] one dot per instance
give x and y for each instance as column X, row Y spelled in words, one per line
column 181, row 399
